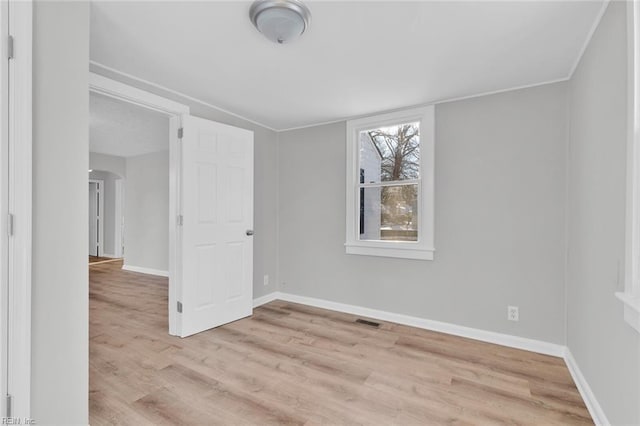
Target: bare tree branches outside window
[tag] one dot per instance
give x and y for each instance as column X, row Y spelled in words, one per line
column 398, row 149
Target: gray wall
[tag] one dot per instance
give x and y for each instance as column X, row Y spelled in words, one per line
column 604, row 346
column 500, row 201
column 265, row 253
column 146, row 211
column 500, row 219
column 59, row 335
column 110, row 222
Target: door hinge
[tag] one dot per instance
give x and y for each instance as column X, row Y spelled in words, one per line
column 10, row 225
column 179, row 307
column 10, row 47
column 9, row 400
column 180, row 220
column 180, row 132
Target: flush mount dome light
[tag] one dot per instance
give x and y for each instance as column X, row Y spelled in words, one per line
column 281, row 21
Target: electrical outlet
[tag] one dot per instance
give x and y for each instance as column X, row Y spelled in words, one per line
column 512, row 313
column 266, row 279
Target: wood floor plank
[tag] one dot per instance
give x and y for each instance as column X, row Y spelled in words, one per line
column 254, row 375
column 296, row 364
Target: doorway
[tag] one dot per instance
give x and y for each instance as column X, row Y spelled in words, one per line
column 96, row 212
column 210, row 212
column 129, row 147
column 106, row 214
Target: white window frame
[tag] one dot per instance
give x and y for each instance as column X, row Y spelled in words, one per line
column 423, row 249
column 631, row 294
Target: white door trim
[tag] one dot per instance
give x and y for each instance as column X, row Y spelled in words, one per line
column 4, row 209
column 16, row 20
column 117, row 90
column 100, row 213
column 175, row 111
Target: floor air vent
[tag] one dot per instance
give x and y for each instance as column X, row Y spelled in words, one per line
column 369, row 323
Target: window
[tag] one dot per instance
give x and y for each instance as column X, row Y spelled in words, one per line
column 631, row 294
column 390, row 172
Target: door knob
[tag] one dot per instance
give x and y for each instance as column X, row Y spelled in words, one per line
column 249, row 232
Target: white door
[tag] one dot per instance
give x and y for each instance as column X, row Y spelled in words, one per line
column 93, row 218
column 217, row 209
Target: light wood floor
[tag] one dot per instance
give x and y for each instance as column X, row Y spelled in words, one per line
column 293, row 364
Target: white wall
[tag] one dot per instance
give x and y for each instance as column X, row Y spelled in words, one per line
column 604, row 346
column 146, row 207
column 59, row 358
column 500, row 219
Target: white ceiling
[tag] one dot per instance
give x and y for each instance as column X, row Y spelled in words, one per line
column 357, row 57
column 125, row 130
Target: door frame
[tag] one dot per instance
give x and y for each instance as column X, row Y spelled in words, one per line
column 16, row 19
column 175, row 111
column 100, row 213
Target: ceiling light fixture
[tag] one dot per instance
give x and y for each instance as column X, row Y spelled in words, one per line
column 281, row 21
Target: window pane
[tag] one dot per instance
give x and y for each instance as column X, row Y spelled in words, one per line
column 389, row 213
column 390, row 153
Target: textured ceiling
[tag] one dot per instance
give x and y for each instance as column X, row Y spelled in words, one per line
column 125, row 130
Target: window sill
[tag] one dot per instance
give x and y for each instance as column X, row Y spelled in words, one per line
column 397, row 252
column 631, row 309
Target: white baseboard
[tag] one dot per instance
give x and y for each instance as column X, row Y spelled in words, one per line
column 143, row 270
column 111, row 256
column 443, row 327
column 265, row 299
column 597, row 414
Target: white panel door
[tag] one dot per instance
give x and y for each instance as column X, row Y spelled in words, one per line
column 217, row 209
